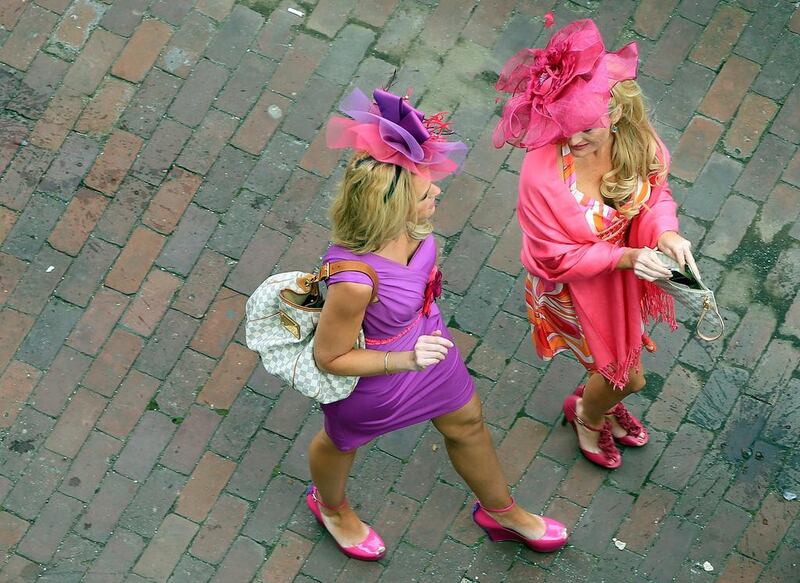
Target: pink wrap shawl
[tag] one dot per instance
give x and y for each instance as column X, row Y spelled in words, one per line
column 558, row 245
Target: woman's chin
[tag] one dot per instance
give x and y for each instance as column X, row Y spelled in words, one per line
column 581, row 152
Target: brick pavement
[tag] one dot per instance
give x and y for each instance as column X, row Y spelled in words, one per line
column 158, row 158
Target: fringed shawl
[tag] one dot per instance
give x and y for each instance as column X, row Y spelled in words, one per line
column 558, row 245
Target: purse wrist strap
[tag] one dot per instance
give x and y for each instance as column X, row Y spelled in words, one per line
column 334, row 267
column 710, row 307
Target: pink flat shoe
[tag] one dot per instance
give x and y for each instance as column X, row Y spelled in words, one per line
column 637, row 434
column 369, row 549
column 554, row 537
column 608, row 456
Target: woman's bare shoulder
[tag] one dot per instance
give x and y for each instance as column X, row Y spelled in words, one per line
column 348, row 297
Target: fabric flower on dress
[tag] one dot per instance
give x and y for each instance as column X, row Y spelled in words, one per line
column 433, row 290
column 562, row 89
column 390, row 130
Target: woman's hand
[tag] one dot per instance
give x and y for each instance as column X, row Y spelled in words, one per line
column 429, row 350
column 678, row 248
column 647, row 266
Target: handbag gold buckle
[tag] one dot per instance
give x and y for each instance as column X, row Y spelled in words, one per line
column 290, row 325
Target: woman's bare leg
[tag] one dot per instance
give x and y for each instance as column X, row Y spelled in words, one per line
column 469, row 445
column 330, row 468
column 599, row 396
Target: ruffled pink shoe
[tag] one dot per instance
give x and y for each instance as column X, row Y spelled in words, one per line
column 370, row 549
column 608, row 456
column 554, row 537
column 637, row 434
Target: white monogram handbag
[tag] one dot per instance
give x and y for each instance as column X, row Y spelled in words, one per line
column 282, row 316
column 688, row 288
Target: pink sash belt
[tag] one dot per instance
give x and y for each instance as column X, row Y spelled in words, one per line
column 382, row 341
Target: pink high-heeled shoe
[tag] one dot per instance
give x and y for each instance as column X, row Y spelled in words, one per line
column 371, row 548
column 637, row 434
column 554, row 537
column 608, row 456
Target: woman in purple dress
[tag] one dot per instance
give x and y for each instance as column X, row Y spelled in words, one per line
column 410, row 371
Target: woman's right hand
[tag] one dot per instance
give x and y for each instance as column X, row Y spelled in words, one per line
column 647, row 266
column 429, row 350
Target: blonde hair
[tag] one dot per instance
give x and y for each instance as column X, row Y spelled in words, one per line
column 367, row 213
column 635, row 149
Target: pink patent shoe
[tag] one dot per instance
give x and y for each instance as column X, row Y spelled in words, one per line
column 370, row 549
column 637, row 434
column 608, row 456
column 554, row 537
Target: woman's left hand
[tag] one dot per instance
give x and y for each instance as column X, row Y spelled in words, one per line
column 678, row 248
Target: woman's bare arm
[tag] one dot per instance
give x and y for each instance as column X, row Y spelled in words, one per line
column 337, row 331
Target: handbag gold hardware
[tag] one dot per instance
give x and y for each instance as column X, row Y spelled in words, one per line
column 292, row 326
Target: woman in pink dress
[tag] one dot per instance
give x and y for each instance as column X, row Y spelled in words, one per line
column 410, row 371
column 593, row 206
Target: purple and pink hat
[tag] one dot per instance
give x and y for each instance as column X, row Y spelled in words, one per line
column 392, row 131
column 562, row 89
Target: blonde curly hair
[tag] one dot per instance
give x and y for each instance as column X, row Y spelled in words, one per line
column 634, row 153
column 368, row 211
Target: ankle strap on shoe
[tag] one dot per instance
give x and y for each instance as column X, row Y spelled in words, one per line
column 583, row 423
column 318, row 500
column 501, row 510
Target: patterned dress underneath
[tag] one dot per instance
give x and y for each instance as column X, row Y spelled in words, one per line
column 554, row 322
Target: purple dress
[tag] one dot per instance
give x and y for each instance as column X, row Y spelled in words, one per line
column 384, row 403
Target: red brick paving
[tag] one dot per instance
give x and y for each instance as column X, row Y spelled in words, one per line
column 159, row 158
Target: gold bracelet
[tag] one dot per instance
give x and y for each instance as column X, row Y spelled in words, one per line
column 386, row 363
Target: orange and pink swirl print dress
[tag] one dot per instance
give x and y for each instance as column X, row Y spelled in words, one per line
column 551, row 312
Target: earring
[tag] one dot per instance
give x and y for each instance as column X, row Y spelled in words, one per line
column 614, row 128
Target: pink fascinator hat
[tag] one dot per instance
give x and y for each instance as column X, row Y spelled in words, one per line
column 392, row 131
column 562, row 89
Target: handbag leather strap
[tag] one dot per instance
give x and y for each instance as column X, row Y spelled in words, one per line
column 333, row 267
